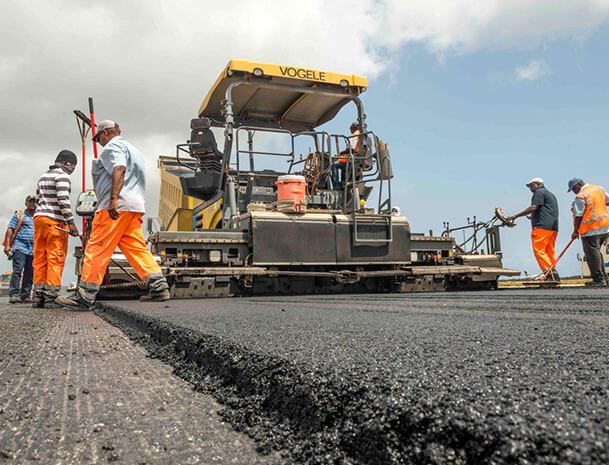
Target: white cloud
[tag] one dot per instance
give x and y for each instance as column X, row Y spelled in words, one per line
column 532, row 71
column 463, row 26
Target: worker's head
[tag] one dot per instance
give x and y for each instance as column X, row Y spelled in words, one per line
column 534, row 184
column 30, row 203
column 575, row 185
column 66, row 160
column 354, row 127
column 106, row 131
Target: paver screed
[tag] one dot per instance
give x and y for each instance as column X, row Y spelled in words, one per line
column 75, row 390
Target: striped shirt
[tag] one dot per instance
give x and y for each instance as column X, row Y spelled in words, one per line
column 53, row 196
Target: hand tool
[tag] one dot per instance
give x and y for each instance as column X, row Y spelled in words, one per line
column 93, row 130
column 66, row 230
column 556, row 261
column 84, row 125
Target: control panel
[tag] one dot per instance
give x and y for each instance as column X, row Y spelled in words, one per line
column 86, row 204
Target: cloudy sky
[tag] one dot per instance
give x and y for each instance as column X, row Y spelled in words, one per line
column 474, row 98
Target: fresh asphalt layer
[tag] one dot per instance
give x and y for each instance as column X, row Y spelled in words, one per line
column 488, row 377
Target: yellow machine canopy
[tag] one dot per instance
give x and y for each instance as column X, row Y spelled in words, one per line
column 287, row 97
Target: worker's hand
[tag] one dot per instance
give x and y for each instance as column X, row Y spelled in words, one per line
column 510, row 219
column 7, row 250
column 575, row 235
column 113, row 209
column 73, row 230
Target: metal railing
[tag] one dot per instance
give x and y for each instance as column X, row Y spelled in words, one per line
column 351, row 186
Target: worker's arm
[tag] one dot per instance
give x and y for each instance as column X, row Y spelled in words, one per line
column 118, row 179
column 63, row 187
column 8, row 240
column 577, row 221
column 578, row 208
column 527, row 211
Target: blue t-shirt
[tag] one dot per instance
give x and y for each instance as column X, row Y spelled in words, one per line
column 24, row 241
column 546, row 215
column 119, row 152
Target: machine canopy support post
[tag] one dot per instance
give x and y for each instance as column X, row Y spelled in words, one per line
column 232, row 199
column 250, row 148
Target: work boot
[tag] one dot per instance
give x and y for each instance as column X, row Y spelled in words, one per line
column 158, row 289
column 49, row 300
column 51, row 304
column 74, row 302
column 14, row 299
column 554, row 276
column 160, row 296
column 38, row 300
column 593, row 283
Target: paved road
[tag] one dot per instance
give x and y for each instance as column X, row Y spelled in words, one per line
column 75, row 390
column 493, row 377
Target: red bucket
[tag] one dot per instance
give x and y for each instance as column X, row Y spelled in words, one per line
column 291, row 187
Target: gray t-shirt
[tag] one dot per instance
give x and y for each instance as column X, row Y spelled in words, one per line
column 119, row 152
column 546, row 215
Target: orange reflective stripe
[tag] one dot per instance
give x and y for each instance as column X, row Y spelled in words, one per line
column 21, row 215
column 595, row 215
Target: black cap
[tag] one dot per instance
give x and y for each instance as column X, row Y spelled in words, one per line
column 354, row 125
column 66, row 156
column 30, row 197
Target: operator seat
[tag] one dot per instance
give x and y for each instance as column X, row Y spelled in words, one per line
column 364, row 155
column 203, row 182
column 204, row 138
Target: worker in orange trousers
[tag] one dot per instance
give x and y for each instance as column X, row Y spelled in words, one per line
column 119, row 182
column 53, row 212
column 544, row 220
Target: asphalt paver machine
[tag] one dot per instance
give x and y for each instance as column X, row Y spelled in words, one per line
column 224, row 230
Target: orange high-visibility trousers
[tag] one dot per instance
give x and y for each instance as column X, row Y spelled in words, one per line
column 50, row 249
column 544, row 243
column 106, row 235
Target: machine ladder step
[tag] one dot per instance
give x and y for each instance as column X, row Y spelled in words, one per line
column 372, row 229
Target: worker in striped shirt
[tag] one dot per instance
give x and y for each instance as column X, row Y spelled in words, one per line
column 53, row 213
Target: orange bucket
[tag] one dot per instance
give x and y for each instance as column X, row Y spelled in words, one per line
column 291, row 187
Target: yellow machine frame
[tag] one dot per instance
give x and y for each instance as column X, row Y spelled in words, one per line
column 289, row 106
column 306, row 110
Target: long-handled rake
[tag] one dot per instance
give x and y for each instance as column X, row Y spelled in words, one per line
column 556, row 261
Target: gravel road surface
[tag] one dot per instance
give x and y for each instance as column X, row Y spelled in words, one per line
column 462, row 378
column 75, row 390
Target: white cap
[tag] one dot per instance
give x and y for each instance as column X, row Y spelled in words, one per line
column 537, row 180
column 105, row 124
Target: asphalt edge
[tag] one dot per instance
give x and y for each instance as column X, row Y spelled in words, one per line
column 312, row 417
